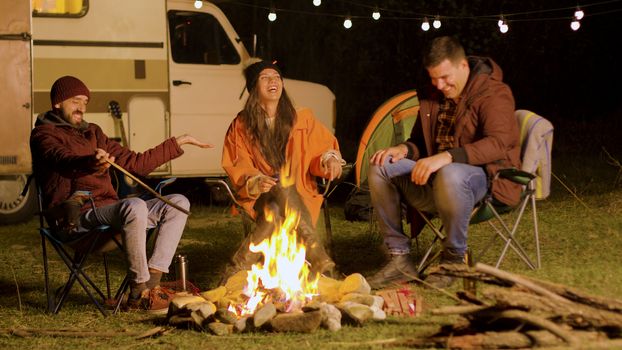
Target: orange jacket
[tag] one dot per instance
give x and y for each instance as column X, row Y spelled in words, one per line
column 308, row 141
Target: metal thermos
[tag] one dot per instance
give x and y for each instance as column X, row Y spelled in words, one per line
column 181, row 270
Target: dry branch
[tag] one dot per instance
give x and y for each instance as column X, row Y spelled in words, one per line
column 29, row 332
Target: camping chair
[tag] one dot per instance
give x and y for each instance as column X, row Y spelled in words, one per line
column 536, row 139
column 74, row 252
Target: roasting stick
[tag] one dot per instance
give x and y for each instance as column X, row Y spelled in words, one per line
column 156, row 194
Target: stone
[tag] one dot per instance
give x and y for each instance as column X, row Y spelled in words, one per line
column 328, row 289
column 178, row 305
column 355, row 283
column 301, row 322
column 206, row 310
column 313, row 306
column 378, row 302
column 219, row 328
column 226, row 316
column 215, row 294
column 181, row 321
column 198, row 320
column 354, row 313
column 359, row 298
column 331, row 317
column 243, row 324
column 378, row 313
column 264, row 314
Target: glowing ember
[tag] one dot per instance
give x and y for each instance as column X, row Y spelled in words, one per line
column 284, row 276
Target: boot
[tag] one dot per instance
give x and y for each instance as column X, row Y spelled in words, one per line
column 243, row 258
column 315, row 253
column 400, row 269
column 443, row 281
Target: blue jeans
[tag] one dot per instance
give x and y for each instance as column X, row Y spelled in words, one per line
column 132, row 217
column 451, row 193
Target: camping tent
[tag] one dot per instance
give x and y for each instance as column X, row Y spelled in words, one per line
column 390, row 124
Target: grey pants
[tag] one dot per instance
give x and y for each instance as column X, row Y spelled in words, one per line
column 132, row 217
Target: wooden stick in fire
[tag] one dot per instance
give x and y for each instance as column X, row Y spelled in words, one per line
column 156, row 194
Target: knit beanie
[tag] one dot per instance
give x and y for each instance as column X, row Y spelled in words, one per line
column 252, row 72
column 67, row 87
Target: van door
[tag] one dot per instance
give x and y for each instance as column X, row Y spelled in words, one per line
column 205, row 77
column 15, row 110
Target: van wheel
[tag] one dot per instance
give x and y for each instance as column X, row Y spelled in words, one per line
column 13, row 206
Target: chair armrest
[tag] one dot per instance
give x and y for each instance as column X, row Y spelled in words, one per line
column 516, row 175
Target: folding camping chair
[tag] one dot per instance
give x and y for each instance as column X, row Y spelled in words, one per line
column 536, row 138
column 74, row 252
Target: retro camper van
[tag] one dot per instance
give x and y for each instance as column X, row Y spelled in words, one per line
column 171, row 68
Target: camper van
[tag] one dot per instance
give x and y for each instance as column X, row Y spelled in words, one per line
column 155, row 68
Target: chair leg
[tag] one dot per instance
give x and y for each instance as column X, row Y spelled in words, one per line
column 46, row 275
column 535, row 230
column 107, row 273
column 510, row 241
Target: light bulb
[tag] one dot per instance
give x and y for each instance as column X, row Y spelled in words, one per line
column 579, row 14
column 347, row 23
column 375, row 15
column 198, row 4
column 272, row 16
column 425, row 25
column 575, row 24
column 437, row 23
column 317, row 2
column 504, row 28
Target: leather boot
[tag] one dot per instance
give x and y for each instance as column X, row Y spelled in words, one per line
column 399, row 269
column 443, row 281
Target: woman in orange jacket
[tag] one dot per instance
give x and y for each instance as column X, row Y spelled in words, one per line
column 272, row 148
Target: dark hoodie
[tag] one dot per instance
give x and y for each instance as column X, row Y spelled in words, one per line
column 486, row 130
column 63, row 159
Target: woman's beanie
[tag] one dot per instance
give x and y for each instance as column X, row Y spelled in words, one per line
column 251, row 73
column 67, row 87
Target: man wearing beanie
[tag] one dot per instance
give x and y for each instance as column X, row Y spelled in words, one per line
column 71, row 155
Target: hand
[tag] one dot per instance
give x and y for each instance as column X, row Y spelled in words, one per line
column 333, row 168
column 265, row 183
column 425, row 167
column 395, row 153
column 189, row 139
column 102, row 161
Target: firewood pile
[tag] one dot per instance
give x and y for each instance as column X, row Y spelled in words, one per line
column 218, row 311
column 513, row 311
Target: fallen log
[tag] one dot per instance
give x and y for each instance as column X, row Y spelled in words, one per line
column 64, row 332
column 574, row 314
column 516, row 279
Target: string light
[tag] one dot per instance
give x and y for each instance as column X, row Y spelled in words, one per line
column 503, row 28
column 347, row 23
column 317, row 2
column 578, row 14
column 425, row 25
column 500, row 21
column 198, row 4
column 272, row 15
column 376, row 14
column 437, row 22
column 575, row 24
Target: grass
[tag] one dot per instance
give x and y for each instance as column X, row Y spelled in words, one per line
column 580, row 247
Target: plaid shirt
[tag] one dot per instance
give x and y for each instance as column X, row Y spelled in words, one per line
column 446, row 125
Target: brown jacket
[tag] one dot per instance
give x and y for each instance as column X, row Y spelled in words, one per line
column 308, row 140
column 63, row 161
column 486, row 130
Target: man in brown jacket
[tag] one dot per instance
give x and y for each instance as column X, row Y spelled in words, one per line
column 465, row 132
column 70, row 157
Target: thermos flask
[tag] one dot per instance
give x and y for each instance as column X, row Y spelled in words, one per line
column 181, row 270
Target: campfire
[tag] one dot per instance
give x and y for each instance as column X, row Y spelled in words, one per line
column 279, row 293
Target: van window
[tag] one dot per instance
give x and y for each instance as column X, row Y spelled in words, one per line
column 59, row 8
column 199, row 38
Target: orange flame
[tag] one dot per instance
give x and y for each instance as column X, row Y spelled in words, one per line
column 284, row 275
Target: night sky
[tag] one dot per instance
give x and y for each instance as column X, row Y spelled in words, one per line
column 572, row 78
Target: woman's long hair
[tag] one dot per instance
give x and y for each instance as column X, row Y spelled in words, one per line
column 271, row 142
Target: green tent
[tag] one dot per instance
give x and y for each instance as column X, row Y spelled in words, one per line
column 390, row 124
